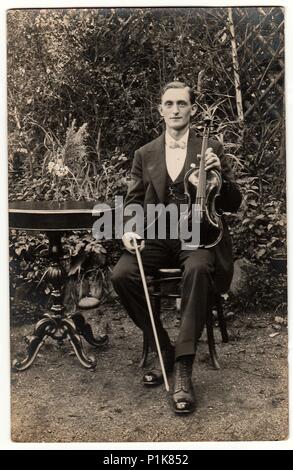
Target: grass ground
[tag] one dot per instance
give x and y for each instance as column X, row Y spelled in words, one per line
column 57, row 400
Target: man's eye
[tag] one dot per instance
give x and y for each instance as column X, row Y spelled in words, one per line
column 182, row 105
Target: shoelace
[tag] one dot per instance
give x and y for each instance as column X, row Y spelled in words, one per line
column 183, row 375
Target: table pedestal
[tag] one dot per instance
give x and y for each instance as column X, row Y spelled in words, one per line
column 56, row 324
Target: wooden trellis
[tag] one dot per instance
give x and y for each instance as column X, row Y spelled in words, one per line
column 254, row 39
column 245, row 56
column 260, row 49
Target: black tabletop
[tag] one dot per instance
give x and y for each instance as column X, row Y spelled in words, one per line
column 52, row 215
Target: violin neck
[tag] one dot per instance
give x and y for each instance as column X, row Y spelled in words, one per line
column 201, row 189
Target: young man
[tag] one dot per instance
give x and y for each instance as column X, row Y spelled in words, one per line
column 157, row 177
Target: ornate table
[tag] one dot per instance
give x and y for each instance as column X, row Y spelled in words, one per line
column 54, row 218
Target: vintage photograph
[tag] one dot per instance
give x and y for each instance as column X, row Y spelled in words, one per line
column 147, row 224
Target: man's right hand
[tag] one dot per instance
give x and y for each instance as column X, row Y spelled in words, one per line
column 127, row 240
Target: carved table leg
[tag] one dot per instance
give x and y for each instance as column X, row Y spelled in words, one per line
column 85, row 330
column 70, row 329
column 55, row 324
column 35, row 342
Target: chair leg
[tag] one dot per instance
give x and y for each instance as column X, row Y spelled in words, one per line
column 156, row 306
column 211, row 340
column 221, row 318
column 145, row 351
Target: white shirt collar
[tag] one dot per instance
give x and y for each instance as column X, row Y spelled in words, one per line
column 169, row 139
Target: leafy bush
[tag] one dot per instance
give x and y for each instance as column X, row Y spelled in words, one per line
column 86, row 262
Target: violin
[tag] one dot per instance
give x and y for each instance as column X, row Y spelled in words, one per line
column 202, row 188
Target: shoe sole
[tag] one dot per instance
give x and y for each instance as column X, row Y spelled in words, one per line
column 184, row 412
column 152, row 384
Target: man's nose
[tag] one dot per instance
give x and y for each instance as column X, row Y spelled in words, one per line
column 175, row 109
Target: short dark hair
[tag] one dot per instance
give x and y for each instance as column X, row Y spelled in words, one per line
column 177, row 84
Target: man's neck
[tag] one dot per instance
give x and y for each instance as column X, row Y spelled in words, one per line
column 177, row 134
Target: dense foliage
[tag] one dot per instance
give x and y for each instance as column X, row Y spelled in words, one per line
column 83, row 89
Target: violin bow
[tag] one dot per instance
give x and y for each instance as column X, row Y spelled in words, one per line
column 142, row 274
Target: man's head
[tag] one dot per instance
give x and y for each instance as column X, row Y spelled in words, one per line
column 177, row 105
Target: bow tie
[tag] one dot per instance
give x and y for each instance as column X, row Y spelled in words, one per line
column 177, row 145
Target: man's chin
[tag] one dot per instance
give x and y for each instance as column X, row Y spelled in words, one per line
column 177, row 125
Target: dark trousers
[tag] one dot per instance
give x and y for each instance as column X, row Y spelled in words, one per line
column 198, row 268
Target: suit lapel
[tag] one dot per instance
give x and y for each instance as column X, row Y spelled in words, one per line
column 193, row 149
column 156, row 166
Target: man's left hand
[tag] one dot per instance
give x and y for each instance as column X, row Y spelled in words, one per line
column 212, row 161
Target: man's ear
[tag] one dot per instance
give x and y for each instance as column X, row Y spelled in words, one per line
column 160, row 109
column 193, row 109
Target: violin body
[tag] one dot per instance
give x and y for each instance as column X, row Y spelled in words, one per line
column 211, row 226
column 201, row 189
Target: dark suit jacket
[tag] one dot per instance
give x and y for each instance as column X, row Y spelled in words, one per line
column 148, row 186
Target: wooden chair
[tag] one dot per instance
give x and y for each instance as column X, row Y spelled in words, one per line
column 167, row 285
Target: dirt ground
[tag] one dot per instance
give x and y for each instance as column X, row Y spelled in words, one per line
column 57, row 400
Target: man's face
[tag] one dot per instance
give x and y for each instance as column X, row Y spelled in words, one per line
column 176, row 108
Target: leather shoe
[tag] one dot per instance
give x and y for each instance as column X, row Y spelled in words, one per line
column 183, row 393
column 154, row 376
